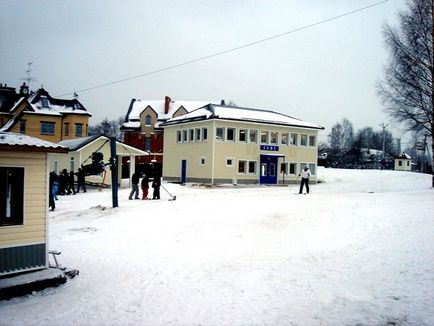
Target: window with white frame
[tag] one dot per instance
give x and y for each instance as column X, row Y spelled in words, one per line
column 252, row 167
column 273, row 138
column 242, row 166
column 312, row 168
column 312, row 140
column 242, row 135
column 284, row 138
column 191, row 135
column 178, row 136
column 220, row 133
column 294, row 139
column 264, row 137
column 11, row 195
column 303, row 140
column 202, row 161
column 184, row 135
column 292, row 168
column 204, row 134
column 197, row 132
column 253, row 136
column 230, row 136
column 229, row 162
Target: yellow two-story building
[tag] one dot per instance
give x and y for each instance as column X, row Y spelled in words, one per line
column 222, row 144
column 41, row 116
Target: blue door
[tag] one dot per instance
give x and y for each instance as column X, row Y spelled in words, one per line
column 183, row 171
column 268, row 169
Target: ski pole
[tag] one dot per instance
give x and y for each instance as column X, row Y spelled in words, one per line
column 173, row 197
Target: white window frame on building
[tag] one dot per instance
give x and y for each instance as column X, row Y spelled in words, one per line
column 264, row 137
column 312, row 140
column 294, row 139
column 12, row 195
column 231, row 134
column 242, row 135
column 303, row 140
column 220, row 133
column 253, row 136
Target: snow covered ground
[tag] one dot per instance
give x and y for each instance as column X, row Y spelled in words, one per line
column 359, row 250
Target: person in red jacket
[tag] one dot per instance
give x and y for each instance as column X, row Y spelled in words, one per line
column 145, row 187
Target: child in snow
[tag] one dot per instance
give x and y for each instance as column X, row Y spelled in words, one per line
column 145, row 187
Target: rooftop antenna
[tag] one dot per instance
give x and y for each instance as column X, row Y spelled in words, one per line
column 28, row 71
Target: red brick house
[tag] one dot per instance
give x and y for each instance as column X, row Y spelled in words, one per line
column 141, row 128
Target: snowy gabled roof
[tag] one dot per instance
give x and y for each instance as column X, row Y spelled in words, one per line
column 55, row 106
column 212, row 111
column 78, row 143
column 137, row 106
column 13, row 140
column 403, row 156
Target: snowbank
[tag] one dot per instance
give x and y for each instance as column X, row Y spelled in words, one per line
column 358, row 250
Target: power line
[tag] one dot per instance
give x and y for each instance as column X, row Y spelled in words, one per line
column 228, row 50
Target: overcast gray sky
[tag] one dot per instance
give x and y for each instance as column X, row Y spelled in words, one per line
column 320, row 74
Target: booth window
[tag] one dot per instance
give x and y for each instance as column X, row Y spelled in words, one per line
column 11, row 196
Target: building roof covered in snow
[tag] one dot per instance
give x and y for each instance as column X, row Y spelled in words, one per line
column 223, row 112
column 163, row 108
column 10, row 140
column 403, row 156
column 79, row 143
column 43, row 103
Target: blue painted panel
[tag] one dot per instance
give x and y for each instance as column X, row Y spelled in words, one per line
column 22, row 258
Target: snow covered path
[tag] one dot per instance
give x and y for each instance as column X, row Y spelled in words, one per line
column 359, row 250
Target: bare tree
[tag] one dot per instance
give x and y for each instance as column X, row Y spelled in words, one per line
column 108, row 128
column 407, row 87
column 341, row 136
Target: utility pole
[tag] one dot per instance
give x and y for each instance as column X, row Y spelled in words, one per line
column 114, row 171
column 383, row 160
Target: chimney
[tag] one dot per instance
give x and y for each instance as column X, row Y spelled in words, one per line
column 167, row 101
column 222, row 103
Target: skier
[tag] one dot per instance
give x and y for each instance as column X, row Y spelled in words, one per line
column 305, row 174
column 156, row 183
column 145, row 187
column 135, row 186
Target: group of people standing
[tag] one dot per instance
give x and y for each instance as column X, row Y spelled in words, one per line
column 64, row 184
column 135, row 180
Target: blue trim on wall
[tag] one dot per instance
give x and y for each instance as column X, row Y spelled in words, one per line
column 22, row 258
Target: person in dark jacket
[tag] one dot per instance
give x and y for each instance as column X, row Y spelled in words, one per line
column 71, row 183
column 145, row 187
column 135, row 186
column 81, row 180
column 156, row 183
column 63, row 182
